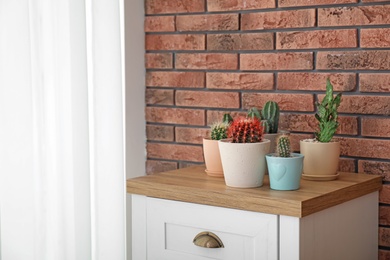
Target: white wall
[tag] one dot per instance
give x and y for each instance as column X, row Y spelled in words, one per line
column 135, row 98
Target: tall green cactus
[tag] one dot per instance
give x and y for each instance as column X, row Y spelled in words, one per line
column 283, row 146
column 270, row 113
column 327, row 114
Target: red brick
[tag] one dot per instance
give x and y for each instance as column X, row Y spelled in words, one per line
column 191, row 135
column 316, row 39
column 383, row 254
column 153, row 166
column 376, row 127
column 384, row 194
column 229, row 5
column 376, row 105
column 245, row 41
column 375, row 38
column 242, row 81
column 160, row 133
column 174, row 6
column 360, row 147
column 354, row 60
column 277, row 61
column 179, row 116
column 159, row 97
column 175, row 79
column 375, row 168
column 208, row 99
column 293, row 3
column 316, row 81
column 208, row 22
column 217, row 116
column 374, row 82
column 159, row 24
column 278, row 19
column 384, row 236
column 373, row 1
column 384, row 215
column 175, row 42
column 308, row 123
column 225, row 61
column 158, row 61
column 358, row 15
column 294, row 102
column 175, row 152
column 347, row 165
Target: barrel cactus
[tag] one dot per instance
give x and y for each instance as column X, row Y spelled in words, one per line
column 327, row 114
column 245, row 130
column 270, row 117
column 283, row 146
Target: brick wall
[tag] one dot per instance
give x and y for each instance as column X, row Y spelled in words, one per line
column 206, row 57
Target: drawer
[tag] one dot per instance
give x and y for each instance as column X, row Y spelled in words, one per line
column 171, row 227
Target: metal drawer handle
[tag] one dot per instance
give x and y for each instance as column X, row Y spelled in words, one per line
column 208, row 240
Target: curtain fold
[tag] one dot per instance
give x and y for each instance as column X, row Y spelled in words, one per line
column 62, row 179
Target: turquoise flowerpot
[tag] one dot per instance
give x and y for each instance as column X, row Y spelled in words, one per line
column 285, row 173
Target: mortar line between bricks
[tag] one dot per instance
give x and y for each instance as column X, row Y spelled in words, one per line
column 265, row 30
column 267, row 10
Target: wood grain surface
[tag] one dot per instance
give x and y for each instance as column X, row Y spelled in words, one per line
column 194, row 186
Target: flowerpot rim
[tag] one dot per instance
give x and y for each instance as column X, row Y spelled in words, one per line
column 228, row 141
column 295, row 155
column 315, row 142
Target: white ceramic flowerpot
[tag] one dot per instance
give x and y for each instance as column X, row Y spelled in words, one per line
column 243, row 163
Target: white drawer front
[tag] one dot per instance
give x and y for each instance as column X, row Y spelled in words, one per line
column 172, row 226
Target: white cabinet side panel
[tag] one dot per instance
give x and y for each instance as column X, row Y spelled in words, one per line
column 138, row 227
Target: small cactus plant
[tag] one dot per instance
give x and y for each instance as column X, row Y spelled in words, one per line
column 270, row 117
column 327, row 114
column 219, row 131
column 283, row 146
column 245, row 130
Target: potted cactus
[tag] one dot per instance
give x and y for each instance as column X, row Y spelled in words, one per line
column 211, row 153
column 243, row 153
column 269, row 117
column 284, row 167
column 323, row 152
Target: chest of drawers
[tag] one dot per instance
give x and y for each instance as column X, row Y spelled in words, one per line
column 322, row 220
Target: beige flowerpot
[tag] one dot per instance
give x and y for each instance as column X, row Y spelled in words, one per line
column 243, row 164
column 321, row 159
column 212, row 158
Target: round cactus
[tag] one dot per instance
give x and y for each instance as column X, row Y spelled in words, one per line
column 219, row 131
column 283, row 146
column 245, row 130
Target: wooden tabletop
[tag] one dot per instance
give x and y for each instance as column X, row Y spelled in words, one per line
column 194, row 186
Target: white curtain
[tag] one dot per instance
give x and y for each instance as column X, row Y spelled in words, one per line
column 62, row 178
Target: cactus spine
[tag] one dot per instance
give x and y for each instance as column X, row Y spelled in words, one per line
column 283, row 146
column 245, row 130
column 219, row 131
column 270, row 113
column 327, row 114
